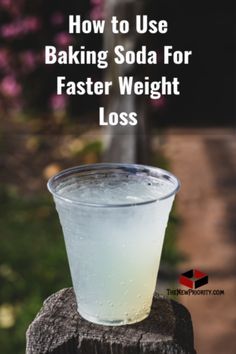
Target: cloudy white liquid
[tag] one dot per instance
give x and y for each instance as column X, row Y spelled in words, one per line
column 113, row 251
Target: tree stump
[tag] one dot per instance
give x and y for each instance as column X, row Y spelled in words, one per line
column 59, row 329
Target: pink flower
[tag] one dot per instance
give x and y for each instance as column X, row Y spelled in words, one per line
column 158, row 103
column 4, row 59
column 63, row 39
column 12, row 7
column 97, row 13
column 15, row 29
column 31, row 24
column 5, row 3
column 29, row 59
column 58, row 102
column 57, row 19
column 11, row 30
column 10, row 87
column 97, row 2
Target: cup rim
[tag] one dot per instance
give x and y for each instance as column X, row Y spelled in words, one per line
column 129, row 167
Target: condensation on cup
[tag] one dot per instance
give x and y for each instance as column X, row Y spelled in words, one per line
column 114, row 218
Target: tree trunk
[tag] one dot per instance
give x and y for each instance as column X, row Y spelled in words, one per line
column 124, row 145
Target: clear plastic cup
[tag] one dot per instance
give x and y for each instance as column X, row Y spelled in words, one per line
column 114, row 218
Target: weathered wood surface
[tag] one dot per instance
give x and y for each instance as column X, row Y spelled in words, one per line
column 59, row 329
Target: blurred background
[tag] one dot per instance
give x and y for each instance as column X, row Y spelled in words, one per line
column 193, row 135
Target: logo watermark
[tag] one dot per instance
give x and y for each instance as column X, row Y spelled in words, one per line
column 194, row 279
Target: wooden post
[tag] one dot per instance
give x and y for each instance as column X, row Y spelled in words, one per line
column 59, row 329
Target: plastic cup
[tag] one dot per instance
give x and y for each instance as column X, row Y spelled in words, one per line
column 114, row 218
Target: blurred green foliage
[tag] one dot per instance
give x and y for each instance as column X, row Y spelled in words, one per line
column 33, row 263
column 170, row 252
